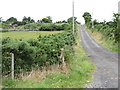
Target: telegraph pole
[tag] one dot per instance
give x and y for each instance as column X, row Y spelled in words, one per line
column 73, row 16
column 92, row 21
column 12, row 66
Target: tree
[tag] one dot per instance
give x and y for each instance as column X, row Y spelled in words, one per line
column 47, row 20
column 11, row 20
column 38, row 21
column 44, row 20
column 32, row 21
column 27, row 20
column 87, row 18
column 70, row 20
column 63, row 21
column 95, row 22
column 24, row 20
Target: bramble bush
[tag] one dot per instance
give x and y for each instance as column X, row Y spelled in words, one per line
column 35, row 52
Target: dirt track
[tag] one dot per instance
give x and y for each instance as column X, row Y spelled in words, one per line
column 105, row 61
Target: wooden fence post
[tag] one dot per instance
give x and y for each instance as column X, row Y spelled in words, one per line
column 12, row 66
column 62, row 56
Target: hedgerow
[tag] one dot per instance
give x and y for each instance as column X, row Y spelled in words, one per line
column 34, row 52
column 41, row 27
column 109, row 29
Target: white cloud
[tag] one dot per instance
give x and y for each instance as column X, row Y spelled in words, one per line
column 57, row 9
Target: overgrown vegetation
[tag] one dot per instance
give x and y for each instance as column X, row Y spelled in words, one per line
column 110, row 30
column 45, row 51
column 34, row 52
column 79, row 72
column 101, row 39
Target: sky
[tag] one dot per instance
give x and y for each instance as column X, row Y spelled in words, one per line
column 58, row 9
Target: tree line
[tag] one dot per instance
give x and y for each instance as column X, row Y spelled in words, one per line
column 13, row 23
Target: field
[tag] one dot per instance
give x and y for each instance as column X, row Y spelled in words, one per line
column 27, row 35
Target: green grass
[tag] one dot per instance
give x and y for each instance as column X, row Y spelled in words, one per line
column 101, row 39
column 79, row 73
column 27, row 35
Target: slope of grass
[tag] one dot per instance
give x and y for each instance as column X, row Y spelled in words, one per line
column 27, row 34
column 101, row 39
column 79, row 73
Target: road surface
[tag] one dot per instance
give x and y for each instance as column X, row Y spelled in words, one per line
column 105, row 61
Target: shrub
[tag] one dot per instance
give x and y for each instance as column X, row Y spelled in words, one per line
column 35, row 52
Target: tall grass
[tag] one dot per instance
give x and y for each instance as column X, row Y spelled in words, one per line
column 103, row 40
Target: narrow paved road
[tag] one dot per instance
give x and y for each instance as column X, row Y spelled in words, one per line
column 105, row 61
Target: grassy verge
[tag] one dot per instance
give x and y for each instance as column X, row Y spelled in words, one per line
column 79, row 73
column 101, row 39
column 27, row 35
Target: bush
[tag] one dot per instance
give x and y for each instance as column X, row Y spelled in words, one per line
column 46, row 27
column 35, row 52
column 31, row 26
column 108, row 31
